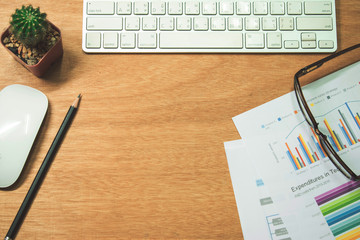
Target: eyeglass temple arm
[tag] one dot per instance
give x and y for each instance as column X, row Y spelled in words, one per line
column 309, row 68
column 319, row 63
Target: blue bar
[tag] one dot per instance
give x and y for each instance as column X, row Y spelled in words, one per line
column 333, row 143
column 352, row 115
column 291, row 160
column 304, row 152
column 343, row 214
column 346, row 136
column 318, row 147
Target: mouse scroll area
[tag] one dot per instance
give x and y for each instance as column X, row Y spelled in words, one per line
column 22, row 110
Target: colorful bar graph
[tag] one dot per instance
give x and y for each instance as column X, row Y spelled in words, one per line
column 341, row 207
column 304, row 153
column 346, row 130
column 341, row 128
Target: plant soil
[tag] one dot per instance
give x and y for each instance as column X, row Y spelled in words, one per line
column 32, row 55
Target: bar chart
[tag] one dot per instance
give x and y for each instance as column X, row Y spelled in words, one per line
column 341, row 209
column 341, row 125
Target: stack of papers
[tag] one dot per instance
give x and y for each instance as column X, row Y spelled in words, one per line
column 284, row 184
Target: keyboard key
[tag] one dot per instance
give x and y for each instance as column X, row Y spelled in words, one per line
column 124, row 8
column 291, row 44
column 260, row 8
column 308, row 44
column 235, row 23
column 201, row 24
column 203, row 40
column 243, row 8
column 274, row 40
column 132, row 23
column 315, row 8
column 127, row 40
column 277, row 8
column 100, row 8
column 102, row 23
column 158, row 8
column 183, row 23
column 226, row 8
column 314, row 23
column 286, row 23
column 147, row 40
column 175, row 8
column 294, row 8
column 93, row 40
column 149, row 23
column 209, row 8
column 192, row 8
column 141, row 8
column 308, row 37
column 167, row 23
column 269, row 23
column 111, row 40
column 326, row 44
column 252, row 23
column 218, row 24
column 254, row 40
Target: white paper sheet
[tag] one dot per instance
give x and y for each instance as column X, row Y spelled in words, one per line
column 258, row 214
column 288, row 156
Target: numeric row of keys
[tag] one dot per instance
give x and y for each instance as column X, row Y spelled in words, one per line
column 208, row 8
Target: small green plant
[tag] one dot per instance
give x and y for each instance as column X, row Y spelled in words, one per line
column 29, row 25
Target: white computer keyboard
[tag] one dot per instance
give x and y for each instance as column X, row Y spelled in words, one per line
column 232, row 26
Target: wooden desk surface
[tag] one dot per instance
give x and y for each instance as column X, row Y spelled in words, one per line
column 144, row 157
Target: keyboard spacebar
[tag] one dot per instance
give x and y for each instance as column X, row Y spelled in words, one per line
column 204, row 40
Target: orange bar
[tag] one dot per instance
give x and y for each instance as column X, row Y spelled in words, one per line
column 306, row 149
column 295, row 161
column 347, row 133
column 352, row 235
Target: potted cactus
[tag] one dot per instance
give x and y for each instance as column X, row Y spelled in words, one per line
column 32, row 40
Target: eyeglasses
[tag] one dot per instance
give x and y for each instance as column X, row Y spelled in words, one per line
column 330, row 141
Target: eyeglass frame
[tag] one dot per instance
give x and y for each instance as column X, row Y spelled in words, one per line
column 313, row 123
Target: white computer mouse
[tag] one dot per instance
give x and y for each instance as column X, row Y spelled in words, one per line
column 22, row 110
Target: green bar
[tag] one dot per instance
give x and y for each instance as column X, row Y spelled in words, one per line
column 348, row 126
column 301, row 165
column 346, row 225
column 339, row 140
column 313, row 155
column 340, row 202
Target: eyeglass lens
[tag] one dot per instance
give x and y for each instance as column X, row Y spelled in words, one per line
column 334, row 102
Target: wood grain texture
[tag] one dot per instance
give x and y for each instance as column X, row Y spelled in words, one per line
column 144, row 157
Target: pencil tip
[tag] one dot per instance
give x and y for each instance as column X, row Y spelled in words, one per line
column 76, row 102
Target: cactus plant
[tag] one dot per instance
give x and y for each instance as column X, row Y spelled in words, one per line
column 29, row 25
